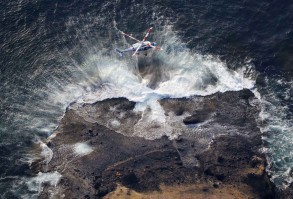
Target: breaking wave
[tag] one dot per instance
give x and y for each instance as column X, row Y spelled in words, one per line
column 175, row 72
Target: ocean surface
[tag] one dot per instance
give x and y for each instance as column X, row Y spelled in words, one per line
column 53, row 53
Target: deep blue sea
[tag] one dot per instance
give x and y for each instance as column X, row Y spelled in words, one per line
column 52, row 53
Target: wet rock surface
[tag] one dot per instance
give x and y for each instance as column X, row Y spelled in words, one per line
column 218, row 144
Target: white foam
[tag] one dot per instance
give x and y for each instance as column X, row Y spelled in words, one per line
column 47, row 153
column 115, row 124
column 35, row 183
column 82, row 149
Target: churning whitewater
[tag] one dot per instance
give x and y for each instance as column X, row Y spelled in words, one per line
column 175, row 72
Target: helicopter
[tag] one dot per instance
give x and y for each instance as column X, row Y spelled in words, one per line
column 140, row 46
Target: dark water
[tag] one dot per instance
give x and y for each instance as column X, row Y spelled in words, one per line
column 40, row 39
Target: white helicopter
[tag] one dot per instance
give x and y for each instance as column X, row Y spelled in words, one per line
column 140, row 45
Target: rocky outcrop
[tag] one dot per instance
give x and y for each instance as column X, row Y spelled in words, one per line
column 216, row 152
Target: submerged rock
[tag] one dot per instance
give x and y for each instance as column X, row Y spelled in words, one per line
column 216, row 150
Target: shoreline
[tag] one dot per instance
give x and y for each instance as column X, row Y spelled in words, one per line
column 141, row 166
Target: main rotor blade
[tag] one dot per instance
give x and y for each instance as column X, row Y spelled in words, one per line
column 129, row 36
column 141, row 42
column 147, row 34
